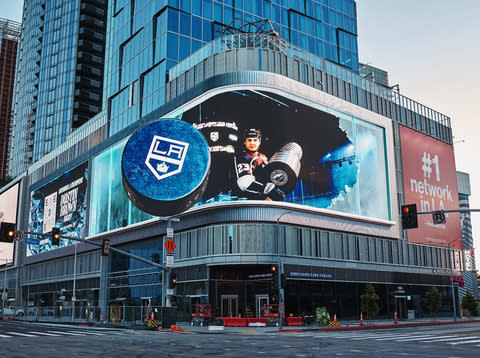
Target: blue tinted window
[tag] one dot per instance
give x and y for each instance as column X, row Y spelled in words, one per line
column 247, row 6
column 227, row 15
column 172, row 46
column 218, row 13
column 185, row 24
column 196, row 27
column 207, row 31
column 186, row 5
column 173, row 20
column 184, row 47
column 197, row 7
column 207, row 9
column 196, row 45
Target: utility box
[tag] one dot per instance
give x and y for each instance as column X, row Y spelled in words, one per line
column 168, row 316
column 411, row 314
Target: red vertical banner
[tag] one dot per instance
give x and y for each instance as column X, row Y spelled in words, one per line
column 430, row 181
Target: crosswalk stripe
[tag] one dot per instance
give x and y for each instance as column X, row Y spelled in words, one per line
column 84, row 332
column 46, row 334
column 416, row 338
column 21, row 334
column 68, row 333
column 447, row 339
column 466, row 342
column 401, row 337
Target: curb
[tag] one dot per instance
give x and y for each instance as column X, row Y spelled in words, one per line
column 346, row 328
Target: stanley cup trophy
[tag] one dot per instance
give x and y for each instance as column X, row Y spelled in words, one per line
column 284, row 167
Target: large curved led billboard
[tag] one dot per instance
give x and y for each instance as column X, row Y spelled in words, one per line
column 265, row 146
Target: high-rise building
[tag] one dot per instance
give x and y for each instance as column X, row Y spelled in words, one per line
column 286, row 74
column 146, row 38
column 60, row 75
column 9, row 37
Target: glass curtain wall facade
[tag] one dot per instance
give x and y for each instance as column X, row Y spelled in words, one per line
column 145, row 38
column 9, row 37
column 60, row 75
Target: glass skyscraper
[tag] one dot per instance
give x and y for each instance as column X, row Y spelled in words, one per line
column 60, row 75
column 9, row 36
column 145, row 38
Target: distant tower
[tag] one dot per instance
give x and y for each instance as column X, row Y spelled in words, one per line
column 60, row 75
column 9, row 38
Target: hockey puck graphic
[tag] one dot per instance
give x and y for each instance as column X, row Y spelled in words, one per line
column 165, row 167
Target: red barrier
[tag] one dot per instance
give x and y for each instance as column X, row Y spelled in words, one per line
column 234, row 321
column 294, row 321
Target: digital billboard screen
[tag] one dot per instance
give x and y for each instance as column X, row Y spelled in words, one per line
column 299, row 153
column 430, row 181
column 318, row 157
column 8, row 214
column 61, row 203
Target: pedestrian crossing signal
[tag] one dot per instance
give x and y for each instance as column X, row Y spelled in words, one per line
column 105, row 247
column 409, row 216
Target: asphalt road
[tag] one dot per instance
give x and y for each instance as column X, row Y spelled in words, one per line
column 24, row 339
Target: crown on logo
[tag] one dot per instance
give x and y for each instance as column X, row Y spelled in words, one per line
column 162, row 168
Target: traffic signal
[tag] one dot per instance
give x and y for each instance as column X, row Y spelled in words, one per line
column 274, row 271
column 105, row 247
column 173, row 280
column 173, row 301
column 55, row 236
column 409, row 216
column 283, row 280
column 7, row 232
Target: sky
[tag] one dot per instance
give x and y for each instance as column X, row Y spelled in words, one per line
column 430, row 48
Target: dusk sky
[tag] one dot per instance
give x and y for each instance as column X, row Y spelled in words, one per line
column 430, row 48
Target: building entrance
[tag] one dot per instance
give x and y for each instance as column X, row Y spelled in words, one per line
column 261, row 300
column 229, row 306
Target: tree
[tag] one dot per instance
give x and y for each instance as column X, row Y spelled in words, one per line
column 470, row 303
column 433, row 300
column 369, row 302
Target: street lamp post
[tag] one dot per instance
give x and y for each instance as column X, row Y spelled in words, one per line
column 280, row 271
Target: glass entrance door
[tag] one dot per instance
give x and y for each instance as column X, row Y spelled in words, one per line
column 260, row 301
column 229, row 306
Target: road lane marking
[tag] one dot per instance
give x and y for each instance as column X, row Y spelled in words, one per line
column 4, row 336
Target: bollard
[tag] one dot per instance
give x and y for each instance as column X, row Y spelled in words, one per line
column 395, row 318
column 335, row 318
column 361, row 318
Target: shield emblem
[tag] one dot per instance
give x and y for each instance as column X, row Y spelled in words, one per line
column 214, row 136
column 166, row 156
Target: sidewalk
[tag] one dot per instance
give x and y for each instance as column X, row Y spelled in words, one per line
column 345, row 325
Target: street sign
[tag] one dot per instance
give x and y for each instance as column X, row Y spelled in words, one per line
column 170, row 231
column 31, row 241
column 170, row 245
column 169, row 261
column 4, row 295
column 18, row 236
column 439, row 217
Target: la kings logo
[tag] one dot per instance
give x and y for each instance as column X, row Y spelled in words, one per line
column 166, row 157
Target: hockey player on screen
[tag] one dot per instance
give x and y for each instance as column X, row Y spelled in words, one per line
column 250, row 165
